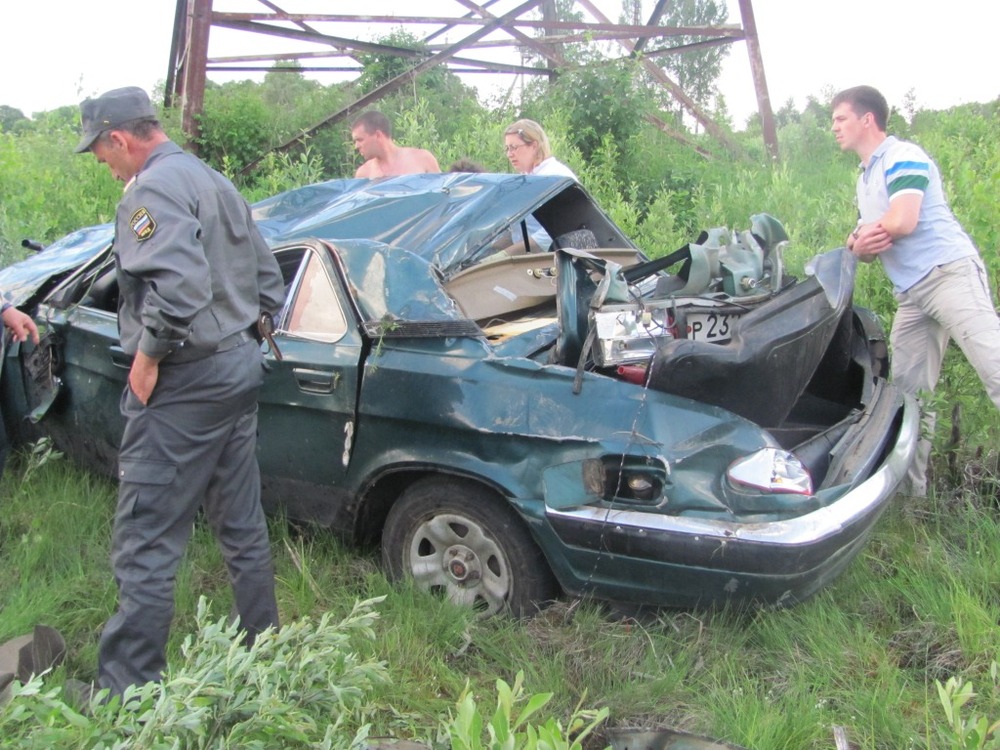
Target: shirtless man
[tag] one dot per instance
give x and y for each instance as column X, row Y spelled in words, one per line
column 372, row 135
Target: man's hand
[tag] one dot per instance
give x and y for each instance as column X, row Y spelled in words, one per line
column 20, row 324
column 143, row 376
column 869, row 240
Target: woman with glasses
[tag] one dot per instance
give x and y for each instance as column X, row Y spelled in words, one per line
column 527, row 148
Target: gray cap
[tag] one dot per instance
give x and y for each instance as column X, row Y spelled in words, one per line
column 111, row 109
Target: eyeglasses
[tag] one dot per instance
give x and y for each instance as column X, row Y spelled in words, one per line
column 512, row 147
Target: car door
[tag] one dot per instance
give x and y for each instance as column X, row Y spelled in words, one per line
column 75, row 378
column 307, row 415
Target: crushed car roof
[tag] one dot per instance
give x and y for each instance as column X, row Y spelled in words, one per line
column 449, row 219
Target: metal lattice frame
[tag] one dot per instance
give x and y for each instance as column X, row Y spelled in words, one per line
column 190, row 63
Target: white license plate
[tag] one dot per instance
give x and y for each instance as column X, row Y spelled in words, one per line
column 717, row 327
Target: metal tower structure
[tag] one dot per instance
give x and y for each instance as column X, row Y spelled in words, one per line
column 481, row 32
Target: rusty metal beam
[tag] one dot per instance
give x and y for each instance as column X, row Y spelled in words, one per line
column 673, row 87
column 452, row 22
column 759, row 81
column 222, row 65
column 496, row 44
column 281, row 14
column 469, row 20
column 549, row 17
column 199, row 22
column 653, row 23
column 527, row 41
column 398, row 81
column 318, row 38
column 598, row 36
column 230, row 63
column 663, row 51
column 678, row 136
column 176, row 40
column 480, row 67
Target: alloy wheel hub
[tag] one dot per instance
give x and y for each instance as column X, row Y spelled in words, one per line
column 462, row 564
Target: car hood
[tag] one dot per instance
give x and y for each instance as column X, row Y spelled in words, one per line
column 21, row 280
column 449, row 219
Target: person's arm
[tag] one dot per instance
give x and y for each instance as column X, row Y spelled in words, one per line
column 20, row 324
column 430, row 162
column 903, row 214
column 868, row 240
column 171, row 264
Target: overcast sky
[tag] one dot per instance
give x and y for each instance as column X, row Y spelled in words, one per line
column 54, row 53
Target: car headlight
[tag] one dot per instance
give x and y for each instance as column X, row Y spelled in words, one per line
column 626, row 335
column 771, row 470
column 633, row 479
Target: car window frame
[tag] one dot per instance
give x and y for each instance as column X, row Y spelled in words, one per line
column 295, row 288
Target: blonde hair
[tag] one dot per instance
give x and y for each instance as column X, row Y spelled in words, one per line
column 530, row 131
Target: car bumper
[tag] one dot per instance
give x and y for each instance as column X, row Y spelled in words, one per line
column 632, row 555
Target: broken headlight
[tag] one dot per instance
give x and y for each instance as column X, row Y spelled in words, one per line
column 771, row 470
column 629, row 334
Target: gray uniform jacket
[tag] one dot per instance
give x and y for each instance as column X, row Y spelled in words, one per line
column 192, row 267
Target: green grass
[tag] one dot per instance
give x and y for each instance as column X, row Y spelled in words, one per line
column 919, row 604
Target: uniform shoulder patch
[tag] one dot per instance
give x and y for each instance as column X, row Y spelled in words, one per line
column 143, row 225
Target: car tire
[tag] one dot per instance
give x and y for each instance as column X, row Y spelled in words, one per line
column 458, row 538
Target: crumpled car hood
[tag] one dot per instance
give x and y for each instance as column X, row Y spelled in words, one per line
column 449, row 219
column 21, row 280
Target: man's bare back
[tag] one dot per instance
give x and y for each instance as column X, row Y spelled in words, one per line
column 402, row 160
column 383, row 158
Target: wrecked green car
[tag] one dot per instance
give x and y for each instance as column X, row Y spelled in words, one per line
column 485, row 378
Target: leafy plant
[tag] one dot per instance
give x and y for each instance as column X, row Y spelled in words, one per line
column 972, row 732
column 42, row 451
column 509, row 728
column 305, row 685
column 236, row 128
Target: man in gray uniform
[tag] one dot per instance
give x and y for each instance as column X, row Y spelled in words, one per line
column 194, row 275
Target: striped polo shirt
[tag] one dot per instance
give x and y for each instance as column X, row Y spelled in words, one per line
column 900, row 168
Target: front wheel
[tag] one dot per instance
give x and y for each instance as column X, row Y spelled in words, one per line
column 456, row 537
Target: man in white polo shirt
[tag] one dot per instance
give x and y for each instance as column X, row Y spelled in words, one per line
column 938, row 277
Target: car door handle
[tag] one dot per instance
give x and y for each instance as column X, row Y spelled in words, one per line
column 119, row 358
column 315, row 381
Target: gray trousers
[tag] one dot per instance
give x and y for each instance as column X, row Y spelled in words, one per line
column 193, row 446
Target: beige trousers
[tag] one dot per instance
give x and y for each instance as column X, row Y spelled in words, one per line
column 952, row 301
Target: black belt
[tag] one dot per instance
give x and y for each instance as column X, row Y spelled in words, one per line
column 185, row 354
column 234, row 340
